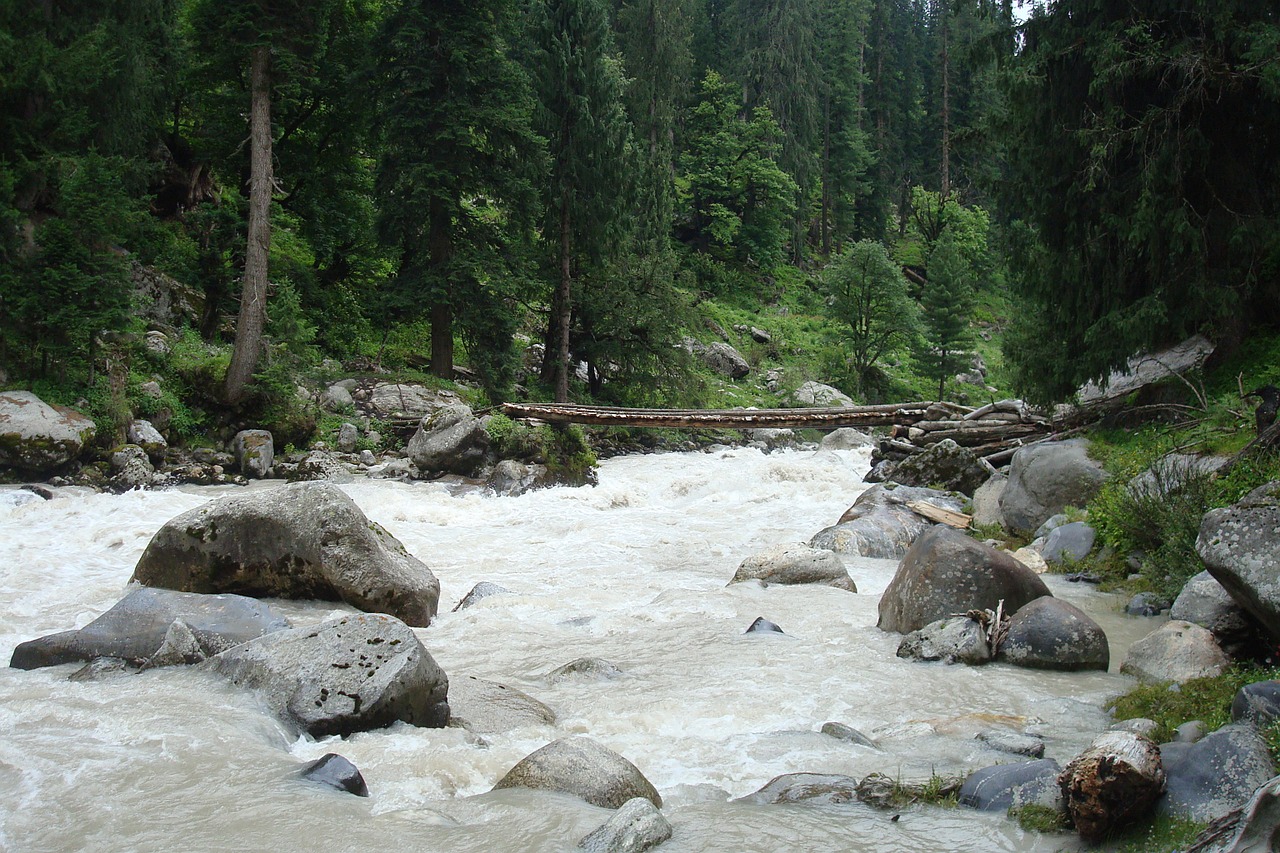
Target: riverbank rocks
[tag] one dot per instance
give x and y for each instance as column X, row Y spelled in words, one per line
column 136, row 627
column 303, row 540
column 1238, row 546
column 487, row 707
column 1046, row 478
column 1257, row 703
column 347, row 675
column 451, row 439
column 955, row 639
column 1176, row 651
column 947, row 572
column 946, row 465
column 815, row 394
column 144, row 434
column 584, row 768
column 1206, row 779
column 880, row 524
column 636, row 827
column 511, row 478
column 1205, row 602
column 986, row 501
column 805, row 788
column 1069, row 543
column 255, row 453
column 1049, row 633
column 795, row 564
column 388, row 399
column 1005, row 786
column 720, row 357
column 36, row 437
column 131, row 468
column 1253, row 827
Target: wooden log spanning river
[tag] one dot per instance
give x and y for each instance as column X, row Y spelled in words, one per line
column 889, row 414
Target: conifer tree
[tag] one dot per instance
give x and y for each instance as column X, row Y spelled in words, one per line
column 947, row 304
column 578, row 87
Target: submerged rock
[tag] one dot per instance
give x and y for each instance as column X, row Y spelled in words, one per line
column 584, row 768
column 343, row 676
column 634, row 828
column 336, row 772
column 796, row 564
column 762, row 625
column 805, row 787
column 137, row 626
column 487, row 707
column 303, row 540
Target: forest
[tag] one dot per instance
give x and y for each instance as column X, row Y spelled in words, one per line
column 430, row 185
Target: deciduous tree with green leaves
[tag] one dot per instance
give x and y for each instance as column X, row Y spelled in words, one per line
column 868, row 296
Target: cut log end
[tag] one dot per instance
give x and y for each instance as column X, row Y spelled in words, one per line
column 1114, row 782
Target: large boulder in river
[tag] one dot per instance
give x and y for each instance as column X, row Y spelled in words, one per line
column 1238, row 546
column 487, row 707
column 956, row 638
column 136, row 626
column 1046, row 478
column 303, row 540
column 880, row 524
column 1176, row 651
column 946, row 465
column 1049, row 633
column 450, row 439
column 947, row 572
column 37, row 437
column 795, row 564
column 584, row 768
column 347, row 675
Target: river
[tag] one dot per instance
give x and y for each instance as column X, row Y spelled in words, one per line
column 634, row 571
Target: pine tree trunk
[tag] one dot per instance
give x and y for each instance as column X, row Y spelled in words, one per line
column 253, row 296
column 442, row 340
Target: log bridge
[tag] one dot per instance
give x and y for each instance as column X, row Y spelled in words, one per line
column 993, row 432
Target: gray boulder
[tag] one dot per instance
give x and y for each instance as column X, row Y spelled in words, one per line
column 348, row 435
column 636, row 827
column 303, row 540
column 321, row 466
column 846, row 438
column 1205, row 602
column 946, row 572
column 137, row 626
column 724, row 359
column 585, row 668
column 986, row 501
column 255, row 453
column 451, row 439
column 815, row 394
column 1257, row 703
column 1252, row 828
column 1006, row 786
column 1069, row 543
column 1238, row 546
column 144, row 434
column 795, row 564
column 479, row 592
column 487, row 707
column 1176, row 651
column 1045, row 478
column 880, row 524
column 840, row 731
column 1171, row 473
column 37, row 437
column 1207, row 779
column 1013, row 743
column 336, row 772
column 584, row 768
column 945, row 464
column 337, row 398
column 346, row 675
column 131, row 468
column 950, row 640
column 805, row 788
column 1049, row 633
column 414, row 401
column 511, row 478
column 1147, row 369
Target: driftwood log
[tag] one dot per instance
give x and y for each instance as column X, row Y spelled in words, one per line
column 1115, row 781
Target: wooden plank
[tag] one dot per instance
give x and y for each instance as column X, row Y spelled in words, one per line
column 825, row 418
column 951, row 518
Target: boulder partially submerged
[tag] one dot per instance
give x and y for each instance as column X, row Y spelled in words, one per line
column 584, row 768
column 303, row 540
column 347, row 675
column 881, row 524
column 795, row 564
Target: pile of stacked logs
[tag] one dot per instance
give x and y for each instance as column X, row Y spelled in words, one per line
column 993, row 432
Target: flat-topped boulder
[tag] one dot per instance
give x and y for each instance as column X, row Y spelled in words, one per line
column 947, row 572
column 38, row 437
column 346, row 675
column 136, row 627
column 302, row 540
column 795, row 564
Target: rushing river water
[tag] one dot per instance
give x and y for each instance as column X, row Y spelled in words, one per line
column 633, row 571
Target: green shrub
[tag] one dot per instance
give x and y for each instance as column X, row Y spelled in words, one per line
column 1204, row 699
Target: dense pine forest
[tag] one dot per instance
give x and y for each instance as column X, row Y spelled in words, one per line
column 557, row 195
